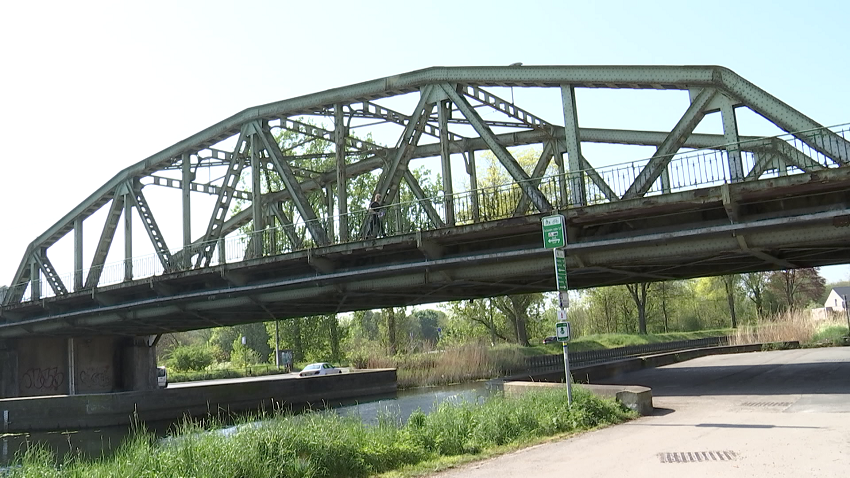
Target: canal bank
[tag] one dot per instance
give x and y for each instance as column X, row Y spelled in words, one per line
column 72, row 412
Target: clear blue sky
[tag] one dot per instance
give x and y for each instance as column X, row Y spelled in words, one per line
column 89, row 88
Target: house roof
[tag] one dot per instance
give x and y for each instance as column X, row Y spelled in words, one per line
column 842, row 291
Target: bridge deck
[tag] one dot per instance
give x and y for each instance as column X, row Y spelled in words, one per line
column 790, row 221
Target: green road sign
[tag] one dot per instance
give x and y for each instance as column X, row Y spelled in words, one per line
column 561, row 269
column 562, row 331
column 553, row 232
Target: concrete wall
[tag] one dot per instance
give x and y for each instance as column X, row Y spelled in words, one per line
column 95, row 361
column 112, row 409
column 42, row 366
column 138, row 365
column 8, row 370
column 32, row 367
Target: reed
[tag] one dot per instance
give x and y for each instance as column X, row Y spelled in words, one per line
column 793, row 325
column 327, row 445
column 456, row 365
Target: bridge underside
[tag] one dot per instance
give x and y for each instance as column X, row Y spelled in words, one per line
column 787, row 222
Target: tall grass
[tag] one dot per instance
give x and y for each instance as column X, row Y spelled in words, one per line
column 327, row 445
column 456, row 365
column 785, row 327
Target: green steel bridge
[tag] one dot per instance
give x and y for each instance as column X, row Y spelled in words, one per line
column 284, row 235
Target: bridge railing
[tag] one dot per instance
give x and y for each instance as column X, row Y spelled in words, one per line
column 591, row 357
column 762, row 158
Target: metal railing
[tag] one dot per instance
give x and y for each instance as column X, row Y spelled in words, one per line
column 786, row 154
column 591, row 357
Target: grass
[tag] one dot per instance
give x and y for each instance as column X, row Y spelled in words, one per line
column 327, row 445
column 456, row 365
column 481, row 361
column 791, row 326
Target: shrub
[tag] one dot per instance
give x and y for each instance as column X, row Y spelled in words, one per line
column 191, row 357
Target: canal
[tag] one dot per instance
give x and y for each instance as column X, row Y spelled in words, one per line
column 95, row 443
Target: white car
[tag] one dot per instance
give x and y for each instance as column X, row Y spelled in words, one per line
column 321, row 368
column 161, row 377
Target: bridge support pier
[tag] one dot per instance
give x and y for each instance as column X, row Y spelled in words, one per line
column 81, row 365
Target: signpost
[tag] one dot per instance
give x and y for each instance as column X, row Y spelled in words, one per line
column 562, row 331
column 553, row 232
column 555, row 237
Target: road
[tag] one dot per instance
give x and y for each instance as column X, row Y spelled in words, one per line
column 765, row 414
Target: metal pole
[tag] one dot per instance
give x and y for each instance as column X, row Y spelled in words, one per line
column 567, row 376
column 847, row 314
column 276, row 344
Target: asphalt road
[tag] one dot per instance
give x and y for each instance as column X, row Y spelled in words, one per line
column 765, row 414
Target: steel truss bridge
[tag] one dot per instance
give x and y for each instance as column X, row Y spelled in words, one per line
column 702, row 204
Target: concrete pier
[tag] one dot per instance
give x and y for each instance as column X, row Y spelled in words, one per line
column 71, row 412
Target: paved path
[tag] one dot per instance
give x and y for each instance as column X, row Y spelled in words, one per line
column 765, row 414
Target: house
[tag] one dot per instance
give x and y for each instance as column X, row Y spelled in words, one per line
column 836, row 298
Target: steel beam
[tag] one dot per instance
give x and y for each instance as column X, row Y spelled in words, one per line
column 504, row 106
column 671, row 144
column 391, row 177
column 78, row 254
column 105, row 241
column 222, row 205
column 154, row 233
column 572, row 139
column 514, row 169
column 730, row 133
column 49, row 272
column 444, row 111
column 257, row 210
column 317, row 230
column 340, row 134
column 188, row 177
column 536, row 176
column 787, row 118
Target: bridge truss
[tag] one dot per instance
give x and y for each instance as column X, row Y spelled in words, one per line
column 292, row 166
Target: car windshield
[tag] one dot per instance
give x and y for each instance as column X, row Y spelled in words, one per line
column 313, row 366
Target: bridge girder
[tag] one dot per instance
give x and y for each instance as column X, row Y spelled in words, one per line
column 455, row 90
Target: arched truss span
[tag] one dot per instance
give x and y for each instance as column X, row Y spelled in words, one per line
column 450, row 111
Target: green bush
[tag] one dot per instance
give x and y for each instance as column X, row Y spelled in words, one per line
column 191, row 357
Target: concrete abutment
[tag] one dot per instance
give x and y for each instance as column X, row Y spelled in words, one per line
column 42, row 366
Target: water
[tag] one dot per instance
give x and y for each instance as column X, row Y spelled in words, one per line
column 99, row 442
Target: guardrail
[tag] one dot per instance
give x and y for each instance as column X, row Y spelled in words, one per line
column 591, row 357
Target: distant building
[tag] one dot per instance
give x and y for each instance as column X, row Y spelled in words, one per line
column 836, row 298
column 3, row 290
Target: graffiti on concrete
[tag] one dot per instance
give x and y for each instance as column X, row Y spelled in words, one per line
column 96, row 377
column 42, row 379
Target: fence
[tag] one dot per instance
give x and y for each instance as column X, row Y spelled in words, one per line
column 591, row 357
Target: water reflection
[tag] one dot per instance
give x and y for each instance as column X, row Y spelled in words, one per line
column 408, row 401
column 96, row 443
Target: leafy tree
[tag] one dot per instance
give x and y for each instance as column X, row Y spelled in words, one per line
column 796, row 288
column 242, row 355
column 755, row 286
column 472, row 320
column 730, row 284
column 429, row 323
column 640, row 294
column 606, row 305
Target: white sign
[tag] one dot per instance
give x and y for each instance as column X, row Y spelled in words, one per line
column 562, row 330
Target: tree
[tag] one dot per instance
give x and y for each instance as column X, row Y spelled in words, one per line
column 469, row 316
column 730, row 283
column 796, row 288
column 516, row 309
column 639, row 294
column 755, row 284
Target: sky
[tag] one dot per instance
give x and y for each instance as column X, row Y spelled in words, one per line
column 90, row 88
